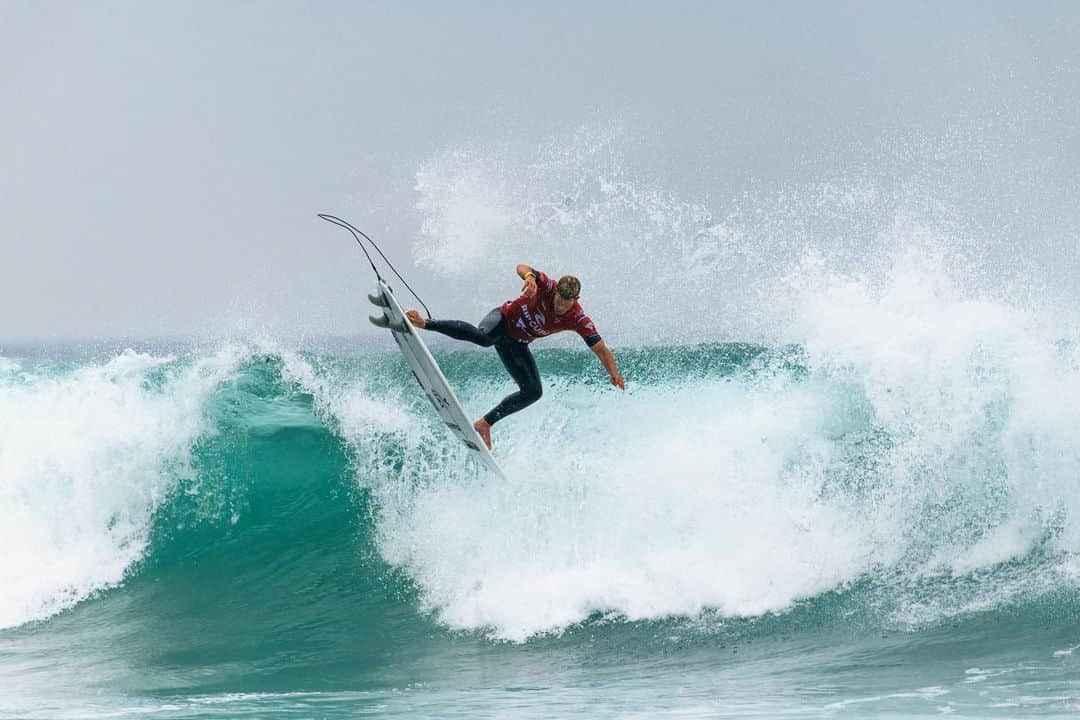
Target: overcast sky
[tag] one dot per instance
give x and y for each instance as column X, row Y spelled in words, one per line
column 162, row 163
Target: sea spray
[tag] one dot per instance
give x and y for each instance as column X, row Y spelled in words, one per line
column 661, row 267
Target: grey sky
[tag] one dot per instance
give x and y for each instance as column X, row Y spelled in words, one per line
column 163, row 162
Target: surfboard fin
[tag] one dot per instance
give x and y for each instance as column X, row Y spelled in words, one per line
column 378, row 300
column 384, row 322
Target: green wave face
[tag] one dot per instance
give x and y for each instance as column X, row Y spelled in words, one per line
column 262, row 532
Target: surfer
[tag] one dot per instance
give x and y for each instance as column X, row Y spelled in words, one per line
column 544, row 308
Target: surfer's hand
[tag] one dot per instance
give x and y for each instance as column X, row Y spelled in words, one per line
column 529, row 290
column 617, row 381
column 416, row 318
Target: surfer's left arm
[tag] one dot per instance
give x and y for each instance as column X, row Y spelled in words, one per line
column 608, row 359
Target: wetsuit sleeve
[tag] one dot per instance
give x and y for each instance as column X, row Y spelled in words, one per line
column 587, row 330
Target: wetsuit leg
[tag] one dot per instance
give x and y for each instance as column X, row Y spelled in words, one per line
column 515, row 356
column 491, row 328
column 521, row 365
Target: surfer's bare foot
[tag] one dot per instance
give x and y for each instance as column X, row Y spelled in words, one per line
column 484, row 428
column 416, row 318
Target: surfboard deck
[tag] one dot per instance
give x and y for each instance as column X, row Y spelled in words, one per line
column 428, row 373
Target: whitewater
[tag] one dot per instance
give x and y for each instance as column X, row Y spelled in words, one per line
column 847, row 487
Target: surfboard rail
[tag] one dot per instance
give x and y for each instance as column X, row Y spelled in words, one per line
column 428, row 374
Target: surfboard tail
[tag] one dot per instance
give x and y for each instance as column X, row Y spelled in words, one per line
column 430, row 378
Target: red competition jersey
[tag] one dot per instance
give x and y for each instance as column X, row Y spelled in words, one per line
column 530, row 318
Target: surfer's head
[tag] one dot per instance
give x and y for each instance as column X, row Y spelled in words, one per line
column 569, row 287
column 568, row 290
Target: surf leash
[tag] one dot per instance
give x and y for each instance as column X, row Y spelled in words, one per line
column 357, row 234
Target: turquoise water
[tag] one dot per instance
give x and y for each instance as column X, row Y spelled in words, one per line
column 795, row 531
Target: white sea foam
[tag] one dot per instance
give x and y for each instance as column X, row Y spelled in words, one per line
column 85, row 458
column 978, row 397
column 664, row 502
column 347, row 400
column 932, row 436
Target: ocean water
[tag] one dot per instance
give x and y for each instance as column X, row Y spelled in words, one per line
column 843, row 481
column 862, row 524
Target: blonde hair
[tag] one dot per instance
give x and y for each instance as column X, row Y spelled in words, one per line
column 569, row 287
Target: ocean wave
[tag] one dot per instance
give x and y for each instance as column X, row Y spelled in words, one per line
column 87, row 453
column 911, row 442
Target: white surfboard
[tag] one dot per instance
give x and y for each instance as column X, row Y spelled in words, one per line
column 429, row 375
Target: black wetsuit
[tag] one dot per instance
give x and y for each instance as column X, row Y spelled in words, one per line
column 515, row 355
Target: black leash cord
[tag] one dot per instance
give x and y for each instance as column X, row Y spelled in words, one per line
column 357, row 234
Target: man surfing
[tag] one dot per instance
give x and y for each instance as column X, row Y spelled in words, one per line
column 544, row 308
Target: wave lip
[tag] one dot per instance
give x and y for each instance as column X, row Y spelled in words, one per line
column 86, row 456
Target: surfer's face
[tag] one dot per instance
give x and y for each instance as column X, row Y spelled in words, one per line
column 562, row 304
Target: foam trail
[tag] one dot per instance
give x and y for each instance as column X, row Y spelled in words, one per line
column 86, row 456
column 664, row 503
column 687, row 495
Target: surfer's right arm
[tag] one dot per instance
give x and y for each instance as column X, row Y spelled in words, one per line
column 527, row 274
column 609, row 363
